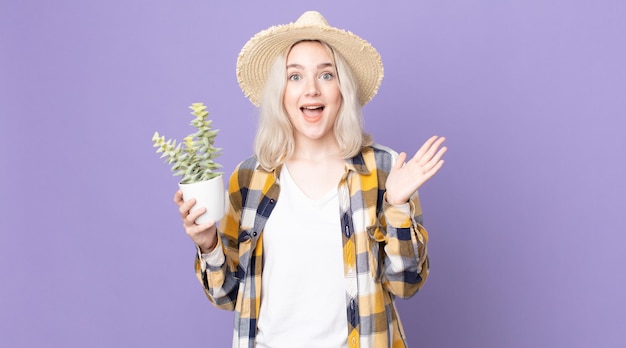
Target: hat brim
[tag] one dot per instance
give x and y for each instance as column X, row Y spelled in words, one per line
column 259, row 53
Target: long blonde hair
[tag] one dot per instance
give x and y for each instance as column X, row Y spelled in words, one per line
column 275, row 139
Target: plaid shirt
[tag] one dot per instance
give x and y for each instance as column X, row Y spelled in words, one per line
column 384, row 250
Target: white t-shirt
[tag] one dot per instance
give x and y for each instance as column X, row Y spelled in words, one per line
column 303, row 296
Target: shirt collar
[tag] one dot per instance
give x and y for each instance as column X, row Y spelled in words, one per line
column 274, row 172
column 356, row 164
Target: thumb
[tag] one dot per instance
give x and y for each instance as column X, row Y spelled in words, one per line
column 399, row 161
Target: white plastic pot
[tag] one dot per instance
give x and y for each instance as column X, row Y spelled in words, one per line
column 208, row 194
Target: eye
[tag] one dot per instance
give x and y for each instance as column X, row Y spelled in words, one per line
column 327, row 76
column 295, row 77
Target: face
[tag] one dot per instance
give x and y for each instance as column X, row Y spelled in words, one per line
column 312, row 98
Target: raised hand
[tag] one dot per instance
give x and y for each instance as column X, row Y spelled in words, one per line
column 405, row 178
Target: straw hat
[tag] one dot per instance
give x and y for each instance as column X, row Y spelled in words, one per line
column 258, row 54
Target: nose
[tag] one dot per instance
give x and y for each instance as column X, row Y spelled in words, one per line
column 312, row 89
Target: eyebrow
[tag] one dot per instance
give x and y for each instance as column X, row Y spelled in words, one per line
column 319, row 66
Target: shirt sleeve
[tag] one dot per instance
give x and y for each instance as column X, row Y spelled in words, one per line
column 213, row 259
column 405, row 253
column 217, row 269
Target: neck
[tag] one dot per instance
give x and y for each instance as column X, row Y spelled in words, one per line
column 315, row 150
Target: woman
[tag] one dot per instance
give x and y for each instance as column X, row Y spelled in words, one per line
column 324, row 227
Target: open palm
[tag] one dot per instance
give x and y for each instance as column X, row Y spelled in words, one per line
column 405, row 178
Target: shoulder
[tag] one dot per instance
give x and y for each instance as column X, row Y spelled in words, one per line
column 249, row 163
column 243, row 173
column 384, row 156
column 250, row 175
column 383, row 150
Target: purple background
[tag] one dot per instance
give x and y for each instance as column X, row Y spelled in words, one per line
column 526, row 218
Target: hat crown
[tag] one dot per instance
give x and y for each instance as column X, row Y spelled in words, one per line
column 312, row 19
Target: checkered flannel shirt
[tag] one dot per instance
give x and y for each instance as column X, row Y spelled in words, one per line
column 384, row 250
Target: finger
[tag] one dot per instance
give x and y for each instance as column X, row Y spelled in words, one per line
column 178, row 198
column 424, row 148
column 432, row 150
column 434, row 147
column 399, row 161
column 191, row 218
column 184, row 208
column 202, row 234
column 435, row 159
column 195, row 230
column 435, row 169
column 206, row 226
column 193, row 215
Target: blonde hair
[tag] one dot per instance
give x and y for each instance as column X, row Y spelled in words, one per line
column 275, row 139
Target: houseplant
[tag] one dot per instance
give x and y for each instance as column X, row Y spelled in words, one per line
column 193, row 159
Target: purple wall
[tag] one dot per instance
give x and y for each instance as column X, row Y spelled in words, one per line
column 526, row 218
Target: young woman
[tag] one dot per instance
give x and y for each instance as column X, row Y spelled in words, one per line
column 324, row 227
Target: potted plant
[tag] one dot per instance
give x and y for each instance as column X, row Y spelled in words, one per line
column 194, row 160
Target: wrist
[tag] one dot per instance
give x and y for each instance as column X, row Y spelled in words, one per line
column 207, row 248
column 394, row 201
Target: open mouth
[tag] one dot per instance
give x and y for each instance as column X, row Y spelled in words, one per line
column 312, row 113
column 312, row 109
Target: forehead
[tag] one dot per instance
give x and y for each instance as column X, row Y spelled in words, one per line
column 314, row 52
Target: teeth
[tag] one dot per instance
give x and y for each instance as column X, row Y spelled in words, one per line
column 312, row 107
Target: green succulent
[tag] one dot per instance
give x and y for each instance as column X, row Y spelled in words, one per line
column 194, row 157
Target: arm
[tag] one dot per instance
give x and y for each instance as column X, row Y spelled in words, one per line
column 218, row 275
column 405, row 252
column 217, row 253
